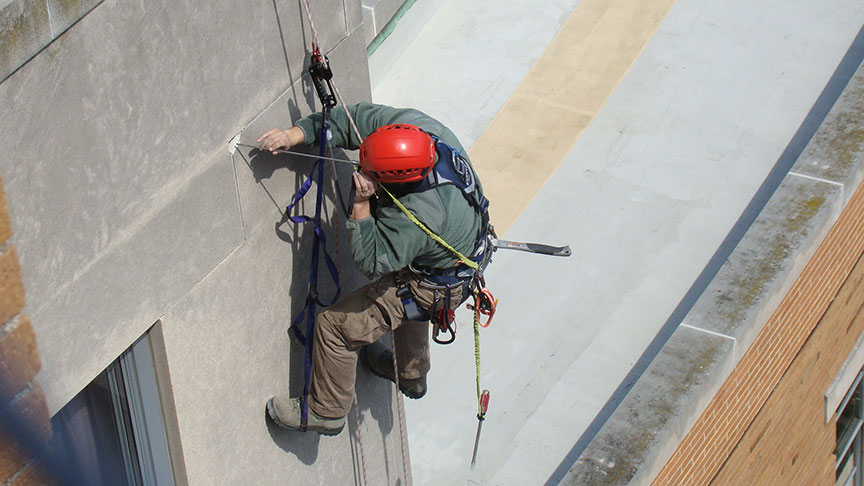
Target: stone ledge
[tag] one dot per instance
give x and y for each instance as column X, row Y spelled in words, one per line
column 27, row 26
column 376, row 14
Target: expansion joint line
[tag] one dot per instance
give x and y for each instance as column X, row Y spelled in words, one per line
column 817, row 179
column 706, row 331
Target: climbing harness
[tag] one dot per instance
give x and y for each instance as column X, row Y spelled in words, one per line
column 452, row 168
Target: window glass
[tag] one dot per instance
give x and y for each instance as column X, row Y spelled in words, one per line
column 848, row 448
column 112, row 432
column 86, row 435
column 849, row 421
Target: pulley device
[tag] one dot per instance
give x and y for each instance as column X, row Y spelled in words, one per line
column 321, row 74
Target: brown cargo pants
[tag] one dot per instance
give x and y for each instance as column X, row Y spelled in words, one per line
column 358, row 319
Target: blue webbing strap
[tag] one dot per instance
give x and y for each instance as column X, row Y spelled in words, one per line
column 319, row 243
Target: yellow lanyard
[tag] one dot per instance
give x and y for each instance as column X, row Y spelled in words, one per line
column 467, row 261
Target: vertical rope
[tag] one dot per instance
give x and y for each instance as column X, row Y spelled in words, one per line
column 360, row 441
column 477, row 354
column 347, row 112
column 315, row 44
column 331, row 172
column 399, row 410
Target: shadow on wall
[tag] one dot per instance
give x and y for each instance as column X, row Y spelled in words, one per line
column 21, row 438
column 374, row 396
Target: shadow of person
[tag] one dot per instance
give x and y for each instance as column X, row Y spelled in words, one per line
column 263, row 163
column 300, row 236
column 373, row 409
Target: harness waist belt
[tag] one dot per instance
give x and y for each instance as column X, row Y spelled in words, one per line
column 413, row 312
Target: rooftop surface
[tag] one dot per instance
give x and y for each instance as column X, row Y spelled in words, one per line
column 638, row 132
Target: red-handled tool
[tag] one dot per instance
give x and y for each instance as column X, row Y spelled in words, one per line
column 481, row 416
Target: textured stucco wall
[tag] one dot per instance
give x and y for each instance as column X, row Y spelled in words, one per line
column 131, row 210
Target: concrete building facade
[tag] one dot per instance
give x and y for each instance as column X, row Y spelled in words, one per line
column 159, row 278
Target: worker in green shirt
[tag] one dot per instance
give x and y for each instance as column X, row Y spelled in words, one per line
column 416, row 279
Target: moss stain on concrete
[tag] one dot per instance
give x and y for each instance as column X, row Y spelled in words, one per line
column 23, row 31
column 843, row 143
column 629, row 441
column 75, row 9
column 748, row 287
column 848, row 147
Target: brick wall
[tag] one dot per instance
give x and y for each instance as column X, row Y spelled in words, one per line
column 26, row 427
column 789, row 442
column 765, row 425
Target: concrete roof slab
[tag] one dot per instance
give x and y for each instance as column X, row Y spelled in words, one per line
column 645, row 199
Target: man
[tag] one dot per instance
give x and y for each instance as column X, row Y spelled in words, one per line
column 406, row 151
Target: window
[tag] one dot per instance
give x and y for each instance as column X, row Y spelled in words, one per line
column 849, row 442
column 113, row 431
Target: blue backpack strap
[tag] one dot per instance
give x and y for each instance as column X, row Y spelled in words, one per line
column 453, row 168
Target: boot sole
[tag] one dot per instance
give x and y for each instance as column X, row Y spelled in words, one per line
column 272, row 413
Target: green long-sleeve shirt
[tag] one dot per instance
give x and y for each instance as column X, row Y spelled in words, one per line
column 388, row 241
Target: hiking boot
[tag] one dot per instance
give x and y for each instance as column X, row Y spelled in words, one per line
column 381, row 365
column 286, row 413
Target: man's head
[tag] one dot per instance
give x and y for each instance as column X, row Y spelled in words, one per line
column 396, row 154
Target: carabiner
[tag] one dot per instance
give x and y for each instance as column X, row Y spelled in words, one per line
column 484, row 303
column 446, row 317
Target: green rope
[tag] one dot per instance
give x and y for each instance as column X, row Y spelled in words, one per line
column 477, row 355
column 467, row 261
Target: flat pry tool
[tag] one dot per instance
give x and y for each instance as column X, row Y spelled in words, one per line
column 481, row 416
column 538, row 248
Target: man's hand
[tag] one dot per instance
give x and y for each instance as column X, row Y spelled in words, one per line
column 281, row 139
column 364, row 189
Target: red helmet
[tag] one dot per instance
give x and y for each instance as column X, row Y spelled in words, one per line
column 397, row 154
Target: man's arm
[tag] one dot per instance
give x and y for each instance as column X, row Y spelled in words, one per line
column 276, row 139
column 368, row 118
